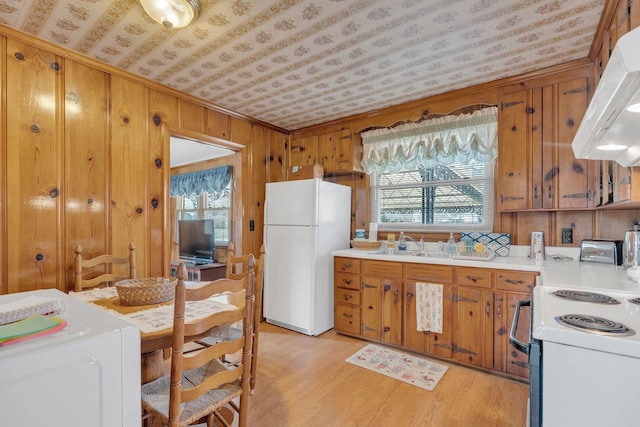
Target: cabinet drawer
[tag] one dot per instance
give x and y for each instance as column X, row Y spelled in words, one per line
column 348, row 265
column 347, row 280
column 477, row 277
column 429, row 272
column 515, row 281
column 347, row 296
column 347, row 319
column 382, row 268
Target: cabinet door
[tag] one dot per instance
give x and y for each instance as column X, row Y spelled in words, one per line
column 413, row 339
column 501, row 325
column 348, row 151
column 520, row 125
column 340, row 151
column 347, row 318
column 517, row 362
column 371, row 303
column 392, row 311
column 566, row 173
column 626, row 183
column 473, row 322
column 425, row 341
column 303, row 151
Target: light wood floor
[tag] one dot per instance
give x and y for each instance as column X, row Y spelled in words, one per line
column 305, row 381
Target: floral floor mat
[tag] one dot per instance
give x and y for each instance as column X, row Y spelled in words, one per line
column 410, row 369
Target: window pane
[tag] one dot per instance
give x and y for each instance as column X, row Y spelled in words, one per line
column 220, row 224
column 190, row 201
column 188, row 215
column 442, row 204
column 219, row 200
column 452, row 194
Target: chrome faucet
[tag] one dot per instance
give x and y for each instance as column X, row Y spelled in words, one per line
column 420, row 243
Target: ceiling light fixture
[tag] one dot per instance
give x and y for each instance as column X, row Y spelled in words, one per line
column 172, row 13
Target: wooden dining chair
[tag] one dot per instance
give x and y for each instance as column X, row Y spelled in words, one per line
column 200, row 383
column 237, row 268
column 109, row 269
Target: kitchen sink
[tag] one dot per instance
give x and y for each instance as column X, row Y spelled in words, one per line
column 401, row 253
column 432, row 255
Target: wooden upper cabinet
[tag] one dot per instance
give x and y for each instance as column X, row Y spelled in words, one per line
column 624, row 182
column 340, row 151
column 537, row 168
column 565, row 174
column 519, row 120
column 303, row 151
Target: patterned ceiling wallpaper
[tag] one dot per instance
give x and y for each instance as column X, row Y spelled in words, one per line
column 295, row 63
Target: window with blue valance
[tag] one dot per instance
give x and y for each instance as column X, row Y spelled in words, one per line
column 209, row 180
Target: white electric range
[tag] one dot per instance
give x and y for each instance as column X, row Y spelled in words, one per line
column 580, row 377
column 585, row 352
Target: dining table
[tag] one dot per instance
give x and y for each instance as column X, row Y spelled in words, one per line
column 155, row 322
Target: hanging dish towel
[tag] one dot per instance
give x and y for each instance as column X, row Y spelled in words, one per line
column 429, row 307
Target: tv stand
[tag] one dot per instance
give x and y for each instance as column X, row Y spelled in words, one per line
column 201, row 272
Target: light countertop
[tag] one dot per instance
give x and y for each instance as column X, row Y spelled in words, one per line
column 571, row 273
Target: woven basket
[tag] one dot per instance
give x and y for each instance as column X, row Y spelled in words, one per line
column 146, row 291
column 365, row 244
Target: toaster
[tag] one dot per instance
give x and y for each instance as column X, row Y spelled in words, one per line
column 601, row 250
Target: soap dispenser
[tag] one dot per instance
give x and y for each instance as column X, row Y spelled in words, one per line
column 402, row 243
column 451, row 244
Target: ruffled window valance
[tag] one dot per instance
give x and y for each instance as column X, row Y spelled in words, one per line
column 210, row 180
column 443, row 140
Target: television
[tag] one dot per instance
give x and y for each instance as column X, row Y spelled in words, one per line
column 196, row 240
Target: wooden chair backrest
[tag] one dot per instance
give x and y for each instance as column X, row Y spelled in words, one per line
column 104, row 265
column 239, row 292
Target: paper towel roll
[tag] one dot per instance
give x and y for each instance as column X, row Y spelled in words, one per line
column 373, row 231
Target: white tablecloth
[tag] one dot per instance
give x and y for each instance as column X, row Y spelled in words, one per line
column 160, row 317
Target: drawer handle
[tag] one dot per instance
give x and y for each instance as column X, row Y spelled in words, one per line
column 347, row 297
column 347, row 266
column 515, row 282
column 475, row 279
column 348, row 316
column 347, row 281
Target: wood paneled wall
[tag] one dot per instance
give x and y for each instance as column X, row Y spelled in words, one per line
column 84, row 159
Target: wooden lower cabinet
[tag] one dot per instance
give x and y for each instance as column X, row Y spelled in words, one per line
column 347, row 296
column 376, row 300
column 473, row 327
column 438, row 344
column 392, row 312
column 382, row 301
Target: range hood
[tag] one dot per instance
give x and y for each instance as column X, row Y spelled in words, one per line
column 610, row 129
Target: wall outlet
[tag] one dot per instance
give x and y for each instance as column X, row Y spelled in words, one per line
column 567, row 235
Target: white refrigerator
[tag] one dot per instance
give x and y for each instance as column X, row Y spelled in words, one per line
column 305, row 221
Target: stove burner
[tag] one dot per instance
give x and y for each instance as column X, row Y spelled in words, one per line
column 585, row 297
column 594, row 324
column 635, row 301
